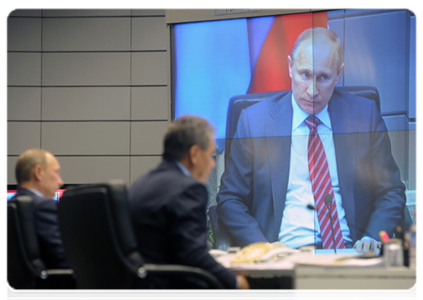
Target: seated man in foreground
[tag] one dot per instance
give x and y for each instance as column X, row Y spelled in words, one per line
column 168, row 206
column 37, row 173
column 38, row 176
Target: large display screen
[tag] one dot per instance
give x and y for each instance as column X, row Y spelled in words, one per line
column 358, row 79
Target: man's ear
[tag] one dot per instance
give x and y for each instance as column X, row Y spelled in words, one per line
column 289, row 65
column 37, row 172
column 340, row 71
column 193, row 154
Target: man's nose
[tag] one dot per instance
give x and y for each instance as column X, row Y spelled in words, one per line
column 61, row 181
column 312, row 88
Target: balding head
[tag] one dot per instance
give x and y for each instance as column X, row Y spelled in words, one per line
column 38, row 169
column 315, row 67
column 319, row 36
column 27, row 161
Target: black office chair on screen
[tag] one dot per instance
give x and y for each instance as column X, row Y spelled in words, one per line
column 222, row 238
column 238, row 103
column 25, row 269
column 100, row 243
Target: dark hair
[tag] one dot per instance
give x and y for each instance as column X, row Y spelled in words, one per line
column 27, row 161
column 184, row 133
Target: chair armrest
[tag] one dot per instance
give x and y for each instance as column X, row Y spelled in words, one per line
column 53, row 272
column 57, row 283
column 178, row 270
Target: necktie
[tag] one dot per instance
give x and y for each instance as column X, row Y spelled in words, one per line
column 321, row 183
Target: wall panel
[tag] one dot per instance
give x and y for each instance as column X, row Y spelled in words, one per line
column 86, row 103
column 148, row 12
column 149, row 33
column 149, row 103
column 11, row 162
column 80, row 81
column 23, row 69
column 86, row 169
column 86, row 138
column 149, row 68
column 69, row 13
column 86, row 69
column 24, row 34
column 147, row 137
column 86, row 34
column 24, row 103
column 22, row 136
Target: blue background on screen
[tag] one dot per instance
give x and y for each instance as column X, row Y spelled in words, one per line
column 213, row 63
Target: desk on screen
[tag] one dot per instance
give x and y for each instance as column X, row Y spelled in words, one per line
column 328, row 271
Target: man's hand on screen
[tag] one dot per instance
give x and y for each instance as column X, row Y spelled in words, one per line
column 367, row 244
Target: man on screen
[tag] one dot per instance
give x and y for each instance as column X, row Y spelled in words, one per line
column 313, row 167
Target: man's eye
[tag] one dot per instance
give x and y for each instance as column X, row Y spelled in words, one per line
column 323, row 77
column 306, row 75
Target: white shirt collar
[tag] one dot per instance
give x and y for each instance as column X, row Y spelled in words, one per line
column 37, row 192
column 299, row 115
column 183, row 168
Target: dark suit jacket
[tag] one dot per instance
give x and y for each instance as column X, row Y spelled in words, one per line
column 168, row 210
column 254, row 186
column 47, row 229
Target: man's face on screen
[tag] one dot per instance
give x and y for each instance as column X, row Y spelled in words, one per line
column 314, row 72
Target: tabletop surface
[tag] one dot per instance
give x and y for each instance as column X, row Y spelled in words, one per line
column 301, row 264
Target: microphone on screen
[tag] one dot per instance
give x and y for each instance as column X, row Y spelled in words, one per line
column 311, row 207
column 328, row 199
column 328, row 202
column 353, row 226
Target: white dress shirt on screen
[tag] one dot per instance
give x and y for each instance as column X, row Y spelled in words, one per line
column 300, row 225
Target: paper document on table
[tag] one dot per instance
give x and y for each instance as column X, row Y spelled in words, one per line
column 305, row 259
column 335, row 260
column 225, row 260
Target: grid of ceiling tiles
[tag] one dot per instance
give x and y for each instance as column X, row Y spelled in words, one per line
column 91, row 87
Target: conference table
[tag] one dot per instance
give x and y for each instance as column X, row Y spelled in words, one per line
column 324, row 270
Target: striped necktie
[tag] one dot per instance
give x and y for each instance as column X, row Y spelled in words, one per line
column 321, row 183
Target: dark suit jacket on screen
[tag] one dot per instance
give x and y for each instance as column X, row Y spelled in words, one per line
column 47, row 229
column 254, row 186
column 168, row 210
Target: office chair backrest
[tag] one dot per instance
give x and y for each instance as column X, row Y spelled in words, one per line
column 238, row 103
column 26, row 274
column 99, row 242
column 24, row 265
